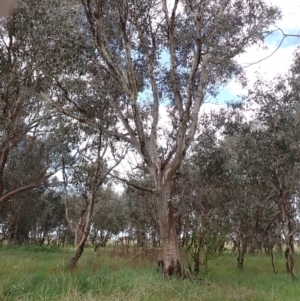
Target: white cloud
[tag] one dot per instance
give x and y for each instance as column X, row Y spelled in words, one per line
column 280, row 61
column 290, row 14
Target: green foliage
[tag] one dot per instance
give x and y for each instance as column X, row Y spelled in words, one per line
column 204, row 247
column 31, row 248
column 30, row 275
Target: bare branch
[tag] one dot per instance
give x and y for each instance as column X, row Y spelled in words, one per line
column 134, row 185
column 277, row 48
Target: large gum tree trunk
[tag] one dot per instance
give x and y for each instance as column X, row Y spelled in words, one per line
column 167, row 226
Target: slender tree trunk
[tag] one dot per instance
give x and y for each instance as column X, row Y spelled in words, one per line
column 289, row 256
column 241, row 250
column 153, row 238
column 288, row 239
column 252, row 248
column 77, row 254
column 197, row 261
column 272, row 261
column 141, row 239
column 285, row 211
column 233, row 250
column 168, row 234
column 81, row 234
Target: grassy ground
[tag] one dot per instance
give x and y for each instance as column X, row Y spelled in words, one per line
column 33, row 273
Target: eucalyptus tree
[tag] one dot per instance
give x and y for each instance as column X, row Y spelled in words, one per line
column 203, row 195
column 156, row 56
column 85, row 174
column 28, row 155
column 225, row 185
column 252, row 214
column 280, row 137
column 17, row 218
column 33, row 217
column 24, row 117
column 142, row 212
column 49, row 218
column 109, row 218
column 24, row 165
column 266, row 158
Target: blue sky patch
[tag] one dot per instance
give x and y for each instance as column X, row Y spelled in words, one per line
column 224, row 96
column 275, row 38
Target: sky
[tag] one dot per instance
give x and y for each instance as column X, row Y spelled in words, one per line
column 279, row 62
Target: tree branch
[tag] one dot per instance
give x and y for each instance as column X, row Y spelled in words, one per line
column 85, row 120
column 149, row 189
column 277, row 48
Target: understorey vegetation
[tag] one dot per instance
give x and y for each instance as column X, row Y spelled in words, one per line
column 40, row 273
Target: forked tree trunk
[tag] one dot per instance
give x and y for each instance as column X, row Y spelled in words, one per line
column 82, row 232
column 79, row 248
column 168, row 234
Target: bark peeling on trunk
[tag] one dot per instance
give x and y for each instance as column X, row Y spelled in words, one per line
column 168, row 235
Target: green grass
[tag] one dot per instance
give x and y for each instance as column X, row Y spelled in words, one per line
column 34, row 273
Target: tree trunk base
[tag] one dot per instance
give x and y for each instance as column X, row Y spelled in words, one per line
column 77, row 254
column 174, row 269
